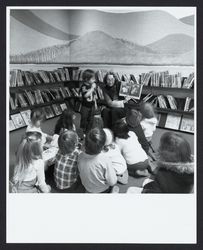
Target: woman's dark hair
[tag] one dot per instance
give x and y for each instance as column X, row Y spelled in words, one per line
column 88, row 74
column 120, row 129
column 174, row 148
column 65, row 121
column 94, row 141
column 110, row 73
column 37, row 115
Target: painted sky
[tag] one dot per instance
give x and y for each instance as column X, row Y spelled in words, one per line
column 178, row 12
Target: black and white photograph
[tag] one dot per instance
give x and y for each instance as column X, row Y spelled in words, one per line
column 108, row 105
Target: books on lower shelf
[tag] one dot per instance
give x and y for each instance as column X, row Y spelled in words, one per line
column 18, row 120
column 187, row 124
column 11, row 125
column 57, row 109
column 173, row 121
column 189, row 104
column 26, row 116
column 63, row 106
column 48, row 112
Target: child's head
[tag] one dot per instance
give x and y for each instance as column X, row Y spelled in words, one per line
column 147, row 110
column 97, row 122
column 174, row 148
column 133, row 117
column 110, row 79
column 37, row 116
column 67, row 118
column 67, row 141
column 88, row 76
column 30, row 149
column 94, row 141
column 120, row 129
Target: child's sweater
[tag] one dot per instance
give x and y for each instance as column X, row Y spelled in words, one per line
column 96, row 172
column 118, row 162
column 149, row 126
column 36, row 171
column 131, row 149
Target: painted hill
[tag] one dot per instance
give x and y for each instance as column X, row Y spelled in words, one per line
column 188, row 20
column 173, row 44
column 142, row 27
column 98, row 47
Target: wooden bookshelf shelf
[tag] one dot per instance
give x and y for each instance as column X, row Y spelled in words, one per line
column 181, row 93
column 35, row 106
column 160, row 110
column 45, row 86
column 182, row 98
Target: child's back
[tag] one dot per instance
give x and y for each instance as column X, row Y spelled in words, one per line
column 112, row 150
column 29, row 169
column 149, row 126
column 66, row 168
column 96, row 172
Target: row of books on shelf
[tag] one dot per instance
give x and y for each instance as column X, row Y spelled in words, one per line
column 27, row 98
column 20, row 78
column 178, row 122
column 22, row 118
column 169, row 102
column 155, row 79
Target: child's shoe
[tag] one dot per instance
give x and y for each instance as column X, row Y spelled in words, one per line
column 115, row 189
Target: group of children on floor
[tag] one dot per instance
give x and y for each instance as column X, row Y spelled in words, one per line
column 102, row 157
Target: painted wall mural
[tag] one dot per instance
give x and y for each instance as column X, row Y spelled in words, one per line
column 152, row 37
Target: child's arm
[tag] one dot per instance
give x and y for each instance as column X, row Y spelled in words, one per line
column 113, row 104
column 39, row 166
column 88, row 92
column 110, row 175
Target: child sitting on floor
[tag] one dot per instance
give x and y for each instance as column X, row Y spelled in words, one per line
column 66, row 167
column 95, row 167
column 148, row 120
column 175, row 172
column 29, row 170
column 131, row 149
column 37, row 117
column 113, row 152
column 65, row 122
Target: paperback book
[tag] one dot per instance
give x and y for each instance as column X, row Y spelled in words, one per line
column 18, row 120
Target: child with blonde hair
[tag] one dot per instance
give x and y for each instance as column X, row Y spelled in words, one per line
column 148, row 120
column 29, row 174
column 37, row 117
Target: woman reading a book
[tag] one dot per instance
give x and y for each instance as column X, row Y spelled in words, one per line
column 115, row 104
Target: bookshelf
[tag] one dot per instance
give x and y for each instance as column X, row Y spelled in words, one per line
column 51, row 91
column 176, row 91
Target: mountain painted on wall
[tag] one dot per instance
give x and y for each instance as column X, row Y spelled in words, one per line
column 147, row 37
column 188, row 20
column 98, row 47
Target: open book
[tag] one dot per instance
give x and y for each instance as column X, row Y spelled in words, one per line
column 130, row 89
